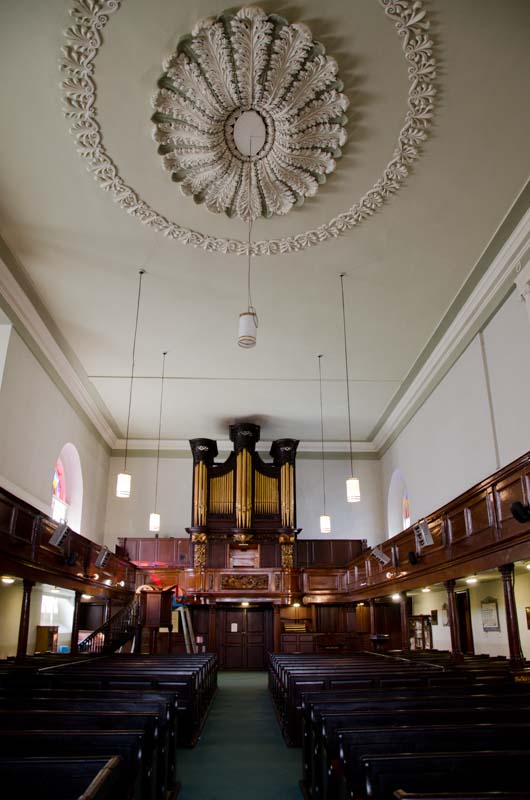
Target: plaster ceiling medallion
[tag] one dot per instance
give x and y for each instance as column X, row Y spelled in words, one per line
column 300, row 144
column 250, row 116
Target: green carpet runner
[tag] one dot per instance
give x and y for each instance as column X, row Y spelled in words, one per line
column 241, row 753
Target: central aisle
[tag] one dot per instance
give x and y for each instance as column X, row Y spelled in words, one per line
column 241, row 754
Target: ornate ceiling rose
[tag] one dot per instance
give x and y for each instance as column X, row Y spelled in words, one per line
column 249, row 70
column 83, row 40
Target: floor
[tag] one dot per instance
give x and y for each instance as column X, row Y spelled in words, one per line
column 241, row 753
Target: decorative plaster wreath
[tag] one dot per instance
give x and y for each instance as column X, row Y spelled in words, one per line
column 79, row 94
column 254, row 66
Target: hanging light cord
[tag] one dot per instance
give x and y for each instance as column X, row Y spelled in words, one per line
column 322, row 431
column 342, row 275
column 251, row 308
column 141, row 273
column 164, row 354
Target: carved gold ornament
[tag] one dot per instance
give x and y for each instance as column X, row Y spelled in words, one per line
column 255, row 64
column 83, row 41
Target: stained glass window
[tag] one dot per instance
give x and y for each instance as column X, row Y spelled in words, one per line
column 59, row 504
column 406, row 509
column 58, row 487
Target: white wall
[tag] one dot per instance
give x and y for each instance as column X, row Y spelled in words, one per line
column 449, row 444
column 424, row 604
column 35, row 422
column 494, row 643
column 364, row 520
column 129, row 517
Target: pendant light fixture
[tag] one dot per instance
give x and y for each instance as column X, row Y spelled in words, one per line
column 325, row 519
column 353, row 490
column 248, row 320
column 123, row 483
column 154, row 517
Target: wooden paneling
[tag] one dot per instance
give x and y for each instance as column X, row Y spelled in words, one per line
column 322, row 581
column 269, row 555
column 475, row 531
column 330, row 619
column 163, row 552
column 327, row 552
column 217, row 555
column 25, row 551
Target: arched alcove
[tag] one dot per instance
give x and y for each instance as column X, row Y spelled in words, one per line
column 72, row 476
column 398, row 504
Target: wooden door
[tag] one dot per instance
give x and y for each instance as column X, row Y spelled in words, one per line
column 245, row 636
column 465, row 629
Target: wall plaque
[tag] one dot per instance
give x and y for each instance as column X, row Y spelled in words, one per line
column 490, row 614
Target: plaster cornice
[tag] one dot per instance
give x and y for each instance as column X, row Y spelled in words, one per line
column 361, row 450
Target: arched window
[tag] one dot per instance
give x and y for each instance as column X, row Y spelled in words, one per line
column 398, row 504
column 67, row 488
column 59, row 504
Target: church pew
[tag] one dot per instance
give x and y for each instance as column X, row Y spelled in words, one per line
column 155, row 738
column 62, row 699
column 92, row 778
column 345, row 778
column 401, row 795
column 329, row 742
column 192, row 678
column 504, row 771
column 86, row 745
column 324, row 682
column 323, row 717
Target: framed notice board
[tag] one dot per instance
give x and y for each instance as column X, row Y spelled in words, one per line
column 490, row 614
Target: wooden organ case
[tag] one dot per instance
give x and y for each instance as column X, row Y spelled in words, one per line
column 244, row 500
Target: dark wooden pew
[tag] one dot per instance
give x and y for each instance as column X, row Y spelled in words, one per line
column 323, row 717
column 422, row 717
column 90, row 778
column 480, row 771
column 346, row 776
column 20, row 745
column 401, row 795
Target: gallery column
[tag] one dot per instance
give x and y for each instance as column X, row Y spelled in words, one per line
column 23, row 629
column 404, row 610
column 75, row 623
column 453, row 620
column 512, row 624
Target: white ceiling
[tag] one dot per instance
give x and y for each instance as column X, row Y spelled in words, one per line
column 404, row 267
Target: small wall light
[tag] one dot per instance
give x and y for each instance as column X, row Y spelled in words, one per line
column 7, row 580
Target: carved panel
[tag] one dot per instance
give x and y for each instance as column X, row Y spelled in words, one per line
column 247, row 582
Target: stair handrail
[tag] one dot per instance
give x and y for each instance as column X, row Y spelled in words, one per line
column 117, row 630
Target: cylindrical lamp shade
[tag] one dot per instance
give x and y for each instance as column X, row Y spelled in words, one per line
column 325, row 523
column 154, row 522
column 123, row 485
column 247, row 329
column 353, row 490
